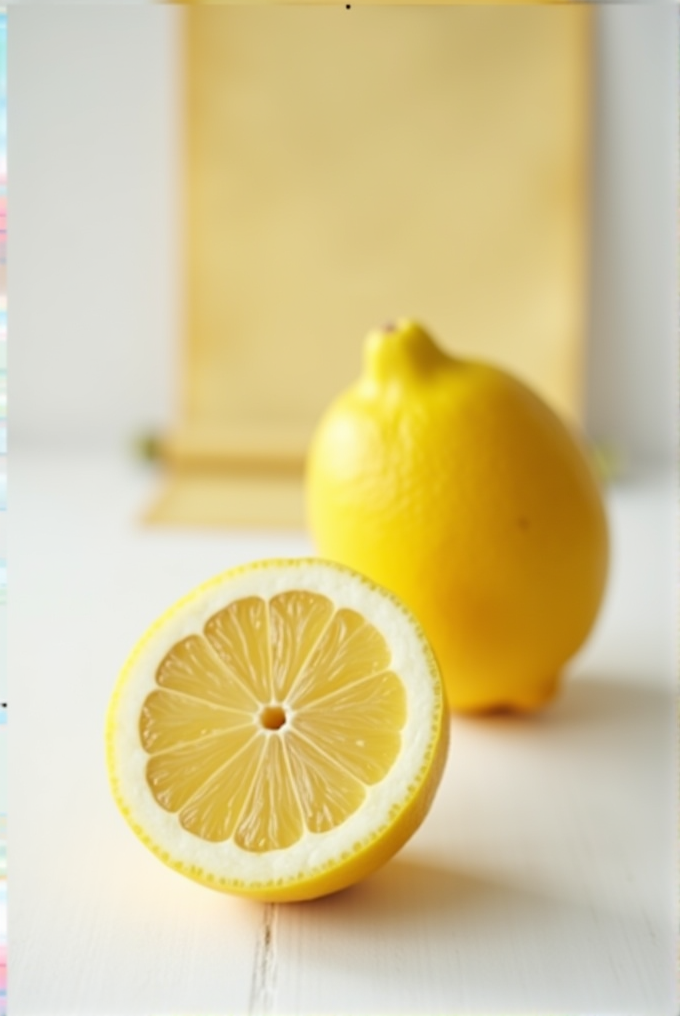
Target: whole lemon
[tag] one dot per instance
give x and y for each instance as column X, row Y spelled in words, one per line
column 453, row 484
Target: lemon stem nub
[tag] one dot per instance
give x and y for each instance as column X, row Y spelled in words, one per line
column 401, row 350
column 273, row 717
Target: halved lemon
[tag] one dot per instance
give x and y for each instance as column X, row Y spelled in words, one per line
column 280, row 732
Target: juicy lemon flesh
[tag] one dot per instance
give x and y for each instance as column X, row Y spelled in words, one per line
column 272, row 722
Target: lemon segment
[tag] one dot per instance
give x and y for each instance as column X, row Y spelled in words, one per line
column 297, row 619
column 192, row 667
column 280, row 732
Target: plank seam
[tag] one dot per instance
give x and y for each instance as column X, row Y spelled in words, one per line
column 264, row 970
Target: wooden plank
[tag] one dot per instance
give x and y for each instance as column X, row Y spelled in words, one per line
column 217, row 497
column 344, row 170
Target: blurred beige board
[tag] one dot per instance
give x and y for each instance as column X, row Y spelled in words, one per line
column 348, row 167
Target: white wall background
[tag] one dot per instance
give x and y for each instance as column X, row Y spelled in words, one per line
column 94, row 296
column 93, row 218
column 632, row 370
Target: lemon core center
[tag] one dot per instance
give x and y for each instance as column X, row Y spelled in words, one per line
column 273, row 717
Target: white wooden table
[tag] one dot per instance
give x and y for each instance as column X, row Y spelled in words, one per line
column 544, row 879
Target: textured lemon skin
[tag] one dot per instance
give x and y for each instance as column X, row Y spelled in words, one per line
column 366, row 857
column 454, row 485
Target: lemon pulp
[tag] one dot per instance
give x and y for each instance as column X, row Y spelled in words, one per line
column 272, row 721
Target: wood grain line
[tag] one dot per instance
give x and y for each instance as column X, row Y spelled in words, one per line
column 264, row 969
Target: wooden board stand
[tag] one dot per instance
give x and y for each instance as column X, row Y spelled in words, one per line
column 345, row 168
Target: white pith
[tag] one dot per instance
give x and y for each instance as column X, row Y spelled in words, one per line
column 314, row 851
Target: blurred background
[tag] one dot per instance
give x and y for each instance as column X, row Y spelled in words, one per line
column 99, row 238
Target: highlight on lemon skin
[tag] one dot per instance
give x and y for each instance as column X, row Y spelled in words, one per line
column 280, row 732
